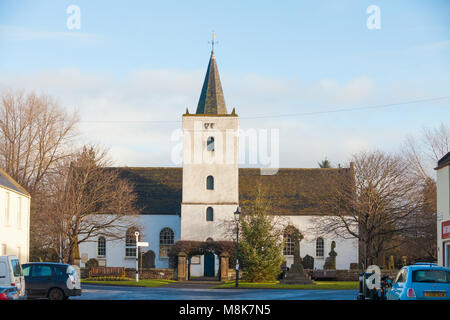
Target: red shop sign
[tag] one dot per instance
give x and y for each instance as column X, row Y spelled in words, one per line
column 446, row 229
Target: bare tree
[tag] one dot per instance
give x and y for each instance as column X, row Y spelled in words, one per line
column 87, row 199
column 35, row 134
column 423, row 153
column 374, row 206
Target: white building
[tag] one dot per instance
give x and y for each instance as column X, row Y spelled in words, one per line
column 443, row 211
column 14, row 218
column 195, row 202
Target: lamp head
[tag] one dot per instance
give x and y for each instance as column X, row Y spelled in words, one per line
column 237, row 214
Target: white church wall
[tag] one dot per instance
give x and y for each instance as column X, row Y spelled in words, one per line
column 195, row 227
column 151, row 226
column 198, row 164
column 346, row 249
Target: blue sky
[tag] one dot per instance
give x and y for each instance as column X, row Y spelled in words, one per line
column 145, row 60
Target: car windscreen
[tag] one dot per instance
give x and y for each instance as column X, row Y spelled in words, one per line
column 433, row 276
column 15, row 264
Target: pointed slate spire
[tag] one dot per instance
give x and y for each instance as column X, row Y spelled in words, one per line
column 211, row 99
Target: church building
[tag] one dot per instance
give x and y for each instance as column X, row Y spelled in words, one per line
column 194, row 202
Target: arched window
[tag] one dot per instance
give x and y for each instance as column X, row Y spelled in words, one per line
column 209, row 214
column 319, row 247
column 166, row 240
column 210, row 144
column 289, row 244
column 210, row 183
column 130, row 242
column 101, row 247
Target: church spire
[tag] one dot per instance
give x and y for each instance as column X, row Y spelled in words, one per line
column 211, row 98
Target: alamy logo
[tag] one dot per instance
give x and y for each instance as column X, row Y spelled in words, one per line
column 74, row 20
column 374, row 280
column 374, row 20
column 205, row 144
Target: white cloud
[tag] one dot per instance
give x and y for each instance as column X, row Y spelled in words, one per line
column 163, row 95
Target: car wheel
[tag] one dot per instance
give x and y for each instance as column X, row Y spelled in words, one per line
column 56, row 294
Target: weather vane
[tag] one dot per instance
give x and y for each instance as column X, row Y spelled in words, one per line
column 213, row 41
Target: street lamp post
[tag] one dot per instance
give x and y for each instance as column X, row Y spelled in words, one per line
column 138, row 244
column 137, row 252
column 237, row 218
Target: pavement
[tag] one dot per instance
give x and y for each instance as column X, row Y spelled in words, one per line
column 192, row 284
column 202, row 291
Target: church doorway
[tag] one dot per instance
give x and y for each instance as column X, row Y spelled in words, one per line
column 209, row 265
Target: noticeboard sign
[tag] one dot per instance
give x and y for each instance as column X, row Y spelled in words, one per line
column 446, row 229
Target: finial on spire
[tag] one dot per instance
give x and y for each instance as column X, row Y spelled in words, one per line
column 213, row 41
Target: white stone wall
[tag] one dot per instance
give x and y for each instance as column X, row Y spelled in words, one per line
column 347, row 249
column 14, row 231
column 443, row 209
column 198, row 164
column 195, row 226
column 151, row 227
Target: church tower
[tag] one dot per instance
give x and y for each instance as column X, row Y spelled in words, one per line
column 210, row 163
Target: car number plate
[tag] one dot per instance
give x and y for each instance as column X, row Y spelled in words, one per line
column 435, row 294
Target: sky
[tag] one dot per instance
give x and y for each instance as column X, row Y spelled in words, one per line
column 133, row 67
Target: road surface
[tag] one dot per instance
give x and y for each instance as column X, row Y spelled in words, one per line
column 102, row 292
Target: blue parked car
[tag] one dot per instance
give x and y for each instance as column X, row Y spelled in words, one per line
column 421, row 281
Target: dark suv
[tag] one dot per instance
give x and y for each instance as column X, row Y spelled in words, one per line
column 55, row 281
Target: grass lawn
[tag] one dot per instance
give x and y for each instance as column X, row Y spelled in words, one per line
column 142, row 283
column 320, row 285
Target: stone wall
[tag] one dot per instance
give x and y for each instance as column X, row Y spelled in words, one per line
column 150, row 273
column 343, row 275
column 146, row 273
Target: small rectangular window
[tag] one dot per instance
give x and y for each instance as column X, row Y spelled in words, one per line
column 319, row 248
column 7, row 210
column 210, row 144
column 60, row 272
column 41, row 271
column 19, row 214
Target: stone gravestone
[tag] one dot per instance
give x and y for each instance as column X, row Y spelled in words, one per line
column 354, row 266
column 391, row 263
column 148, row 259
column 308, row 262
column 296, row 274
column 330, row 262
column 404, row 260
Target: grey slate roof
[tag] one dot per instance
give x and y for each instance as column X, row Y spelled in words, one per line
column 10, row 183
column 445, row 160
column 158, row 189
column 211, row 98
column 290, row 191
